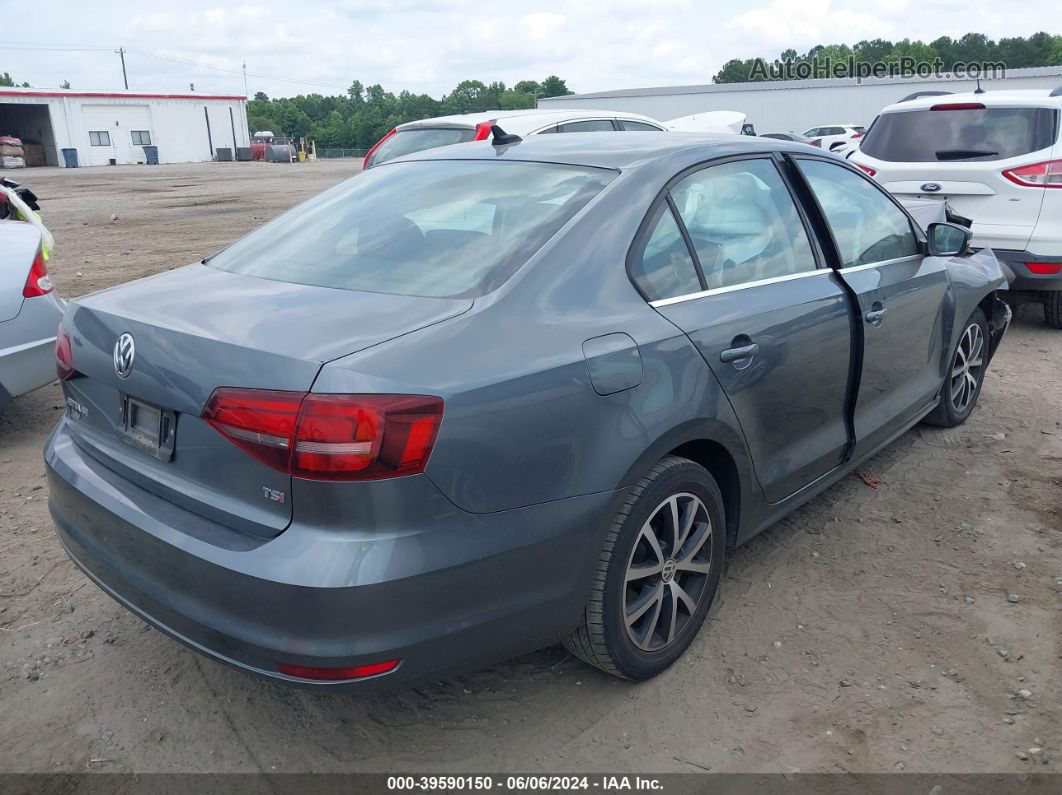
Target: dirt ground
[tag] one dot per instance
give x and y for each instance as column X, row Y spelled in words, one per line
column 871, row 631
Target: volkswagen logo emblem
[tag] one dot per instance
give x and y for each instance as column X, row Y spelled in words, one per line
column 124, row 353
column 930, row 187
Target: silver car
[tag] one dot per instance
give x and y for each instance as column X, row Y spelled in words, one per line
column 30, row 312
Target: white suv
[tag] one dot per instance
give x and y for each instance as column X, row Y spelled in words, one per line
column 997, row 159
column 416, row 136
column 835, row 136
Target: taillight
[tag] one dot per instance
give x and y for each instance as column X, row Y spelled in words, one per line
column 1044, row 268
column 1039, row 175
column 38, row 282
column 337, row 674
column 867, row 169
column 959, row 106
column 856, row 135
column 483, row 130
column 329, row 437
column 64, row 355
column 368, row 157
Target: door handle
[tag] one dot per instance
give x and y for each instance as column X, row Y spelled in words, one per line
column 875, row 316
column 744, row 352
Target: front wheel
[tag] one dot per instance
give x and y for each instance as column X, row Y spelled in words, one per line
column 657, row 574
column 966, row 374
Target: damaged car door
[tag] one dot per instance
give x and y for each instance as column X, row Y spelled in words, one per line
column 901, row 294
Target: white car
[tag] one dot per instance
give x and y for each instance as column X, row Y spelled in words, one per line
column 30, row 312
column 836, row 136
column 996, row 157
column 416, row 136
column 727, row 122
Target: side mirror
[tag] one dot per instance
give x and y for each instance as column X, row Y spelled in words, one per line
column 947, row 240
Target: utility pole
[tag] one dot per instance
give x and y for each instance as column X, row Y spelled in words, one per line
column 245, row 79
column 121, row 51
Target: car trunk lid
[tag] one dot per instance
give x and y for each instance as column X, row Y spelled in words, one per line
column 196, row 329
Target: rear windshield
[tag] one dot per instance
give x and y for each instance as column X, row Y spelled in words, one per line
column 921, row 136
column 406, row 142
column 441, row 228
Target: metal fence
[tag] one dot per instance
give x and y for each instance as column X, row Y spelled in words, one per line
column 321, row 153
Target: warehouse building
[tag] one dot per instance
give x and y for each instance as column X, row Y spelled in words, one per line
column 113, row 127
column 794, row 105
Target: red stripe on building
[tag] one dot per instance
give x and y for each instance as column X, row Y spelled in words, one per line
column 104, row 95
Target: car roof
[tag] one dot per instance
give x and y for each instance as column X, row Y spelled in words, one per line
column 1040, row 98
column 529, row 118
column 614, row 150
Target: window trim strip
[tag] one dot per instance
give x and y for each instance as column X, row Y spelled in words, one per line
column 730, row 288
column 867, row 266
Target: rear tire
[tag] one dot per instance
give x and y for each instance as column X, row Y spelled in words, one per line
column 966, row 374
column 1053, row 308
column 649, row 599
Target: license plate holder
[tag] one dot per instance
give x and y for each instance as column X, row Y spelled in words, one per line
column 149, row 427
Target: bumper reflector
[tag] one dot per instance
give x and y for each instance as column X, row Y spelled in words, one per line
column 337, row 674
column 1044, row 268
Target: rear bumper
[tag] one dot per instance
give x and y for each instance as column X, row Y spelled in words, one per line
column 473, row 588
column 1025, row 278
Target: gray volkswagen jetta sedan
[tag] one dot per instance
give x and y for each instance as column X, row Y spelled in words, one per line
column 483, row 399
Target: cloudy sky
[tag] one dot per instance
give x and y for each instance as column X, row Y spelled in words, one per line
column 429, row 47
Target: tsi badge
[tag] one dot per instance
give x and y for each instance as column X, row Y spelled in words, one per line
column 930, row 187
column 124, row 353
column 272, row 494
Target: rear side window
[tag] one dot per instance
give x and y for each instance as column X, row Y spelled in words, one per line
column 405, row 142
column 438, row 228
column 636, row 126
column 664, row 268
column 925, row 136
column 743, row 223
column 866, row 225
column 590, row 125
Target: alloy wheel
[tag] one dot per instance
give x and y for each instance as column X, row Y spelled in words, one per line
column 667, row 571
column 967, row 366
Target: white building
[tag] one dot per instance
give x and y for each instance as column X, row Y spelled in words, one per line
column 795, row 105
column 112, row 127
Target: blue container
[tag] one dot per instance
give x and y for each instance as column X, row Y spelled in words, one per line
column 152, row 155
column 70, row 158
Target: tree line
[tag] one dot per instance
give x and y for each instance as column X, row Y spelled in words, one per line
column 1039, row 49
column 366, row 113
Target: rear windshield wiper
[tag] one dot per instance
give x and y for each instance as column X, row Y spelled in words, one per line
column 963, row 154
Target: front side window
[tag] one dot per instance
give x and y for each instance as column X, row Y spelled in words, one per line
column 590, row 125
column 99, row 138
column 663, row 267
column 867, row 227
column 437, row 228
column 141, row 138
column 743, row 223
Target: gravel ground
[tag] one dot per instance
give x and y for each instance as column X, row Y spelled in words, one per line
column 873, row 630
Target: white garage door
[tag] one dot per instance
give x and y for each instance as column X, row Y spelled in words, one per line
column 119, row 132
